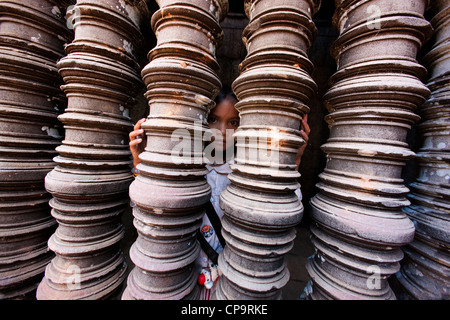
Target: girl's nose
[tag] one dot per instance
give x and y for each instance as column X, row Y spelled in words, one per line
column 223, row 129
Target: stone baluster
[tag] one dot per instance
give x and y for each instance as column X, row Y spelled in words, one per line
column 260, row 205
column 425, row 271
column 32, row 38
column 171, row 190
column 358, row 224
column 90, row 183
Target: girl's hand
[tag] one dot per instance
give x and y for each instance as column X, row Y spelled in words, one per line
column 137, row 136
column 304, row 131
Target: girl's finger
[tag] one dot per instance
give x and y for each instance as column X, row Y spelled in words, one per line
column 304, row 135
column 306, row 128
column 305, row 125
column 135, row 142
column 138, row 124
column 135, row 133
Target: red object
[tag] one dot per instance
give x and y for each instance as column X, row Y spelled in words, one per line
column 201, row 279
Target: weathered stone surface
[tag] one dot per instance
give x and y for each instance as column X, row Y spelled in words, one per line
column 359, row 226
column 260, row 205
column 425, row 271
column 32, row 38
column 90, row 183
column 181, row 80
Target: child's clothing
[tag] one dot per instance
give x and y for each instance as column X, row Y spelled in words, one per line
column 217, row 178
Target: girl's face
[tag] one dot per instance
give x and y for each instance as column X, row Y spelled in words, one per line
column 223, row 120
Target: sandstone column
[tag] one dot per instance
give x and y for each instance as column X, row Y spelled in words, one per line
column 425, row 272
column 171, row 190
column 32, row 38
column 90, row 183
column 359, row 225
column 260, row 206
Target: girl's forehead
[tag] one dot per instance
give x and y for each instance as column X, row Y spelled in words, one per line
column 225, row 108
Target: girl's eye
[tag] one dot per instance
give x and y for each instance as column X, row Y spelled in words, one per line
column 234, row 123
column 212, row 119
